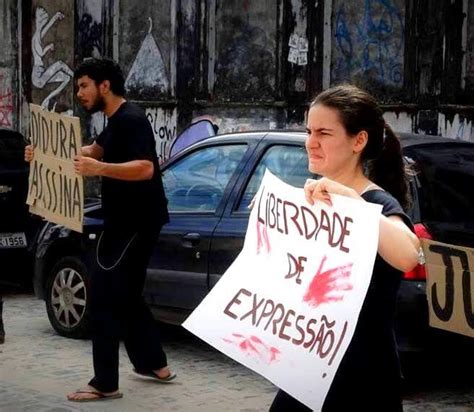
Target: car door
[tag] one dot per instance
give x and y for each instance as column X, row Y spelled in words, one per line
column 196, row 186
column 289, row 162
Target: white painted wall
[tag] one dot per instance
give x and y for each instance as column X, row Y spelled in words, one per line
column 399, row 122
column 459, row 128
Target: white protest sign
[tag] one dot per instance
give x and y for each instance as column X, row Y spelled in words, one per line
column 55, row 191
column 288, row 306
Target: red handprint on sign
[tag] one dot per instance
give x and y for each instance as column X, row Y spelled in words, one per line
column 254, row 346
column 328, row 286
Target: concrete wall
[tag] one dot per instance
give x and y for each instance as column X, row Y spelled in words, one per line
column 245, row 64
column 90, row 36
column 368, row 43
column 147, row 48
column 9, row 85
column 469, row 39
column 245, row 45
column 92, row 39
column 147, row 52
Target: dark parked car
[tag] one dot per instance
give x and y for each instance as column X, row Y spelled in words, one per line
column 18, row 228
column 209, row 186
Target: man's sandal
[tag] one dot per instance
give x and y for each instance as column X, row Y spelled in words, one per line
column 153, row 376
column 98, row 396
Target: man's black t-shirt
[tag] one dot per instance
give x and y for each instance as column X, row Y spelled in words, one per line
column 131, row 205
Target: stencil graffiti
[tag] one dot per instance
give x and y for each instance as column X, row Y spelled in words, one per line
column 148, row 72
column 369, row 43
column 163, row 123
column 6, row 104
column 90, row 37
column 58, row 72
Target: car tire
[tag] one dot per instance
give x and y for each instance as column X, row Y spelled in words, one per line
column 67, row 297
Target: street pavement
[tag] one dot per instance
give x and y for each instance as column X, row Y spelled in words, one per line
column 38, row 368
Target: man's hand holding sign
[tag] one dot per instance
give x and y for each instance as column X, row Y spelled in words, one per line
column 87, row 166
column 55, row 190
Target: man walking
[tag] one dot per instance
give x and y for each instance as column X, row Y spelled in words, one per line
column 134, row 209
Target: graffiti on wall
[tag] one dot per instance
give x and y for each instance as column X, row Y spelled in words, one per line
column 369, row 42
column 6, row 103
column 163, row 123
column 148, row 72
column 89, row 37
column 58, row 72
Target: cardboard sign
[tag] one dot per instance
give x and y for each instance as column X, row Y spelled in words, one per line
column 55, row 191
column 450, row 286
column 288, row 306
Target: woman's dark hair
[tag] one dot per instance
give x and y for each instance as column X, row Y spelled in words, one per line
column 100, row 70
column 358, row 111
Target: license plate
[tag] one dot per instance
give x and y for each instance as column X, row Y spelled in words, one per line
column 12, row 240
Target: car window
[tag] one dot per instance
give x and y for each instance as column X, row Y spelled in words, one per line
column 289, row 163
column 197, row 182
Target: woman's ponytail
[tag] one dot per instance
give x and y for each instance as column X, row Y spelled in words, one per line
column 388, row 170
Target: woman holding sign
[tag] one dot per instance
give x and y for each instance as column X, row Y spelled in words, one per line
column 359, row 156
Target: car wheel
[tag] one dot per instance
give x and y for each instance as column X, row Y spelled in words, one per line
column 68, row 298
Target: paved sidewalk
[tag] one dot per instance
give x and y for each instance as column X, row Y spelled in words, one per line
column 38, row 367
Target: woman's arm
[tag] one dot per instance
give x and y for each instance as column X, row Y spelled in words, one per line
column 398, row 245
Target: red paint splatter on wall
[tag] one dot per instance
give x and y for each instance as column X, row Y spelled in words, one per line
column 254, row 346
column 262, row 238
column 328, row 286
